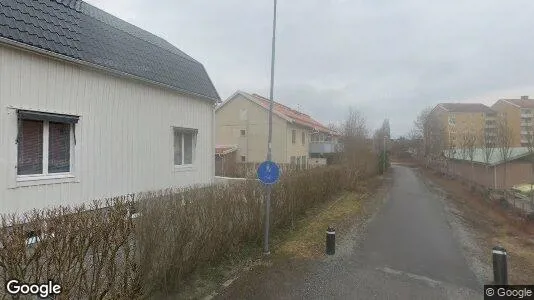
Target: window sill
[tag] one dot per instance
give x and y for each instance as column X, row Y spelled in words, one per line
column 184, row 168
column 31, row 180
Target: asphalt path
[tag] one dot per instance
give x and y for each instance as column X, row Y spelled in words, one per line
column 408, row 251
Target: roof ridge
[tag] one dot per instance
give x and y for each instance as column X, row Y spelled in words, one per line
column 264, row 98
column 96, row 9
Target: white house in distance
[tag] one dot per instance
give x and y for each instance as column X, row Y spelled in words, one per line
column 93, row 107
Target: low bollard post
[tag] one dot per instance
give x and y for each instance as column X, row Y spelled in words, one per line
column 330, row 241
column 500, row 266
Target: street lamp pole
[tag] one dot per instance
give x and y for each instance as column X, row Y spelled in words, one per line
column 266, row 250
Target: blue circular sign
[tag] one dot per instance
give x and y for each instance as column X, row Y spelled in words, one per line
column 268, row 172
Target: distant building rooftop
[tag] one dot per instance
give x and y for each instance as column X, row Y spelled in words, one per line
column 466, row 107
column 523, row 102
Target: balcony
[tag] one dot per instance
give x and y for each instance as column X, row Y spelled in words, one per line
column 324, row 147
column 526, row 115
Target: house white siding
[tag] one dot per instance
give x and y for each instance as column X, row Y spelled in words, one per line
column 124, row 137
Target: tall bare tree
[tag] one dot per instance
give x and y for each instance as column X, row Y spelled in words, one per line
column 434, row 138
column 354, row 139
column 487, row 146
column 420, row 122
column 504, row 142
column 468, row 142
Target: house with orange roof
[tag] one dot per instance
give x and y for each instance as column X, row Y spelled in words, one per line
column 243, row 120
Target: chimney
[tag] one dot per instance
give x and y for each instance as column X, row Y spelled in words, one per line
column 524, row 97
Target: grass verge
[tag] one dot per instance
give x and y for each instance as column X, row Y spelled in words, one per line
column 303, row 238
column 307, row 238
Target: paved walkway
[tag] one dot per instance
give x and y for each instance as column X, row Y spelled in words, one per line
column 409, row 252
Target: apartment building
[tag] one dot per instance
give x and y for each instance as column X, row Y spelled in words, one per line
column 242, row 120
column 450, row 124
column 518, row 117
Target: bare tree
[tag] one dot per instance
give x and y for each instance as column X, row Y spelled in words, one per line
column 487, row 146
column 504, row 142
column 468, row 144
column 434, row 138
column 420, row 122
column 354, row 139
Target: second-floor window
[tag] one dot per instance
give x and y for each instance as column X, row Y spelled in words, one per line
column 243, row 132
column 293, row 136
column 303, row 138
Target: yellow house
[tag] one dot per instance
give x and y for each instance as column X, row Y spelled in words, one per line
column 450, row 124
column 518, row 116
column 243, row 120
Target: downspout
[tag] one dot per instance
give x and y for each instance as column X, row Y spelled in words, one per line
column 213, row 145
column 287, row 158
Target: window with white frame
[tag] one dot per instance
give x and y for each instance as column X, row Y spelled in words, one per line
column 293, row 136
column 184, row 146
column 45, row 144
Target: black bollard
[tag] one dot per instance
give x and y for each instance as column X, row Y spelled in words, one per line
column 330, row 241
column 500, row 266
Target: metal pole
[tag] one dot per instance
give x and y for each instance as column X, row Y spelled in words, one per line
column 266, row 250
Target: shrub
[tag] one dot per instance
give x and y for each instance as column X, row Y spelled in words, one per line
column 90, row 251
column 102, row 252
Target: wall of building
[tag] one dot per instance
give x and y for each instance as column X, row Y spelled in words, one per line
column 513, row 119
column 124, row 138
column 467, row 123
column 515, row 173
column 242, row 114
column 298, row 149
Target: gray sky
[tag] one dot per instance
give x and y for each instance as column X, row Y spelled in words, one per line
column 386, row 58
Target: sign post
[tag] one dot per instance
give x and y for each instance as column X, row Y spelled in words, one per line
column 268, row 174
column 269, row 140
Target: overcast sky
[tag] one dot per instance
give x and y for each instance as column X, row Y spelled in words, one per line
column 386, row 58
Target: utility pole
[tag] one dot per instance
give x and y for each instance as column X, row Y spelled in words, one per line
column 266, row 250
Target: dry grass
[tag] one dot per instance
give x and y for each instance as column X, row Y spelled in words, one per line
column 307, row 240
column 494, row 226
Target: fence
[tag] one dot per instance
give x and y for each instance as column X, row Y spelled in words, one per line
column 481, row 180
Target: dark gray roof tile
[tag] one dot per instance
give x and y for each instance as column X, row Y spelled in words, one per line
column 79, row 30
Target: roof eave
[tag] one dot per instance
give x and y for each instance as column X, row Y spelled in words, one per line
column 507, row 101
column 62, row 57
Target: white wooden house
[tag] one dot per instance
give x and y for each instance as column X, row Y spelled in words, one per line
column 93, row 107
